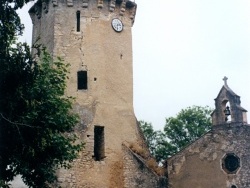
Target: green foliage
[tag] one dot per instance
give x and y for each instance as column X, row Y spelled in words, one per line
column 149, row 134
column 36, row 119
column 187, row 126
column 179, row 131
column 4, row 184
column 10, row 24
column 156, row 140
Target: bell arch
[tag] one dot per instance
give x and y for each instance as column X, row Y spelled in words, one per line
column 227, row 107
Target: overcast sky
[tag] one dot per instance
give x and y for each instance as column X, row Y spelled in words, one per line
column 182, row 50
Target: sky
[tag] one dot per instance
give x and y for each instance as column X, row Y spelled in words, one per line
column 181, row 52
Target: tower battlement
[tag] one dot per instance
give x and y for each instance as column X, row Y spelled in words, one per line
column 96, row 8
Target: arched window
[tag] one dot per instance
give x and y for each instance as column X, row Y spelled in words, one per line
column 227, row 110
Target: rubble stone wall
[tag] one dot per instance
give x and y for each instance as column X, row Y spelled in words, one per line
column 138, row 175
column 200, row 163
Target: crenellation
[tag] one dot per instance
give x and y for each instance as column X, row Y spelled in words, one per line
column 45, row 7
column 85, row 3
column 94, row 9
column 112, row 5
column 70, row 3
column 123, row 8
column 100, row 4
column 38, row 12
column 132, row 13
column 55, row 2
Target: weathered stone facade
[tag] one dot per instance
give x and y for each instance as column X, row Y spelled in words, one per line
column 138, row 174
column 100, row 80
column 221, row 157
column 200, row 164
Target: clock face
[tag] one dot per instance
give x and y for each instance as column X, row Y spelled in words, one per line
column 117, row 25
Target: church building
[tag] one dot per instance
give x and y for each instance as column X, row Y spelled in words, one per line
column 221, row 157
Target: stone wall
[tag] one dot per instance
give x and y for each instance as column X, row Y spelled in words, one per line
column 137, row 174
column 200, row 164
column 106, row 56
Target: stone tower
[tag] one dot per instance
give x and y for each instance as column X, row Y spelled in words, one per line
column 94, row 36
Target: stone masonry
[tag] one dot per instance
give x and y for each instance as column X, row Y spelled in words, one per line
column 100, row 80
column 200, row 164
column 138, row 174
column 221, row 157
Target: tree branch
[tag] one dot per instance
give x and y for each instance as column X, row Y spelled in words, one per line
column 15, row 123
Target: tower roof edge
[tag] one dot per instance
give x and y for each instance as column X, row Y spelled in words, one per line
column 119, row 7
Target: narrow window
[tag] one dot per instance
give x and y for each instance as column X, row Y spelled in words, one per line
column 78, row 21
column 82, row 80
column 99, row 149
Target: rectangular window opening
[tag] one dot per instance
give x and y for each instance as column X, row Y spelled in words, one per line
column 78, row 21
column 82, row 80
column 99, row 148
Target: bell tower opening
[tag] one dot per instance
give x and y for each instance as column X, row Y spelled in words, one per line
column 227, row 110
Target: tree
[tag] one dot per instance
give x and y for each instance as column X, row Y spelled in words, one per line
column 36, row 119
column 156, row 141
column 149, row 134
column 179, row 131
column 187, row 126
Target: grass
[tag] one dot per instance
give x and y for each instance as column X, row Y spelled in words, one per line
column 149, row 161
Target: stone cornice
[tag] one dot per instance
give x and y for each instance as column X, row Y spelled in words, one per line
column 121, row 7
